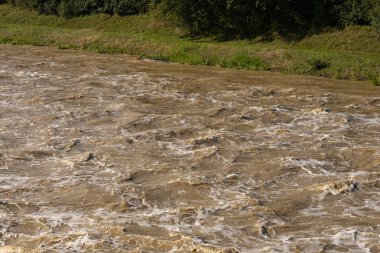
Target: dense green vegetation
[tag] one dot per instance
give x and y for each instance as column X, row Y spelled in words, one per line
column 71, row 8
column 229, row 19
column 343, row 50
column 289, row 18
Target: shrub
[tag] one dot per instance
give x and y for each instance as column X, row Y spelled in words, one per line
column 356, row 12
column 69, row 8
column 130, row 7
column 229, row 19
column 375, row 16
column 318, row 64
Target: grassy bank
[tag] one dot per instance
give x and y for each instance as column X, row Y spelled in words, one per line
column 350, row 54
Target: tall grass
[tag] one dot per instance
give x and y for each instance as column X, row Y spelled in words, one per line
column 353, row 53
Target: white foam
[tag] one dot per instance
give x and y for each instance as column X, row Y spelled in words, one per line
column 78, row 244
column 310, row 166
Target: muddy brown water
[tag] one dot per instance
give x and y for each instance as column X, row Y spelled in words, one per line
column 102, row 153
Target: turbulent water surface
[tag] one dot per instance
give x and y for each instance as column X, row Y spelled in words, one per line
column 104, row 153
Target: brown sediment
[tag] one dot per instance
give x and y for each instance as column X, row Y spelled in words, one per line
column 102, row 153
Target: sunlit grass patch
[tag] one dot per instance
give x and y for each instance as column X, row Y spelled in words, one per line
column 353, row 53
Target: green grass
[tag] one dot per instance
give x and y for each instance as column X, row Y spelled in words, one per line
column 353, row 53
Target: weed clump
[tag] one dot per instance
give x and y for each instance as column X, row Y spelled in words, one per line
column 318, row 64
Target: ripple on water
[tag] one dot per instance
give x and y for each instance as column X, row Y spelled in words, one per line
column 108, row 154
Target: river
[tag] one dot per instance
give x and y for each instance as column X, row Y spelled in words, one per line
column 109, row 153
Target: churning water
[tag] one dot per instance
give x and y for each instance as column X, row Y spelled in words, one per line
column 102, row 153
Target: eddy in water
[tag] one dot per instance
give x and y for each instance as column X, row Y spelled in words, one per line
column 103, row 153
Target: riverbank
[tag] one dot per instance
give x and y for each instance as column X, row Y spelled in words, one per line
column 353, row 53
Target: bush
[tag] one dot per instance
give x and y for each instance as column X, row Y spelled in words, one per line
column 375, row 16
column 23, row 3
column 224, row 19
column 318, row 64
column 229, row 19
column 71, row 8
column 74, row 8
column 356, row 12
column 251, row 18
column 130, row 7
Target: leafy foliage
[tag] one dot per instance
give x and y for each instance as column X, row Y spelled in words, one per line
column 230, row 19
column 375, row 16
column 250, row 18
column 71, row 8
